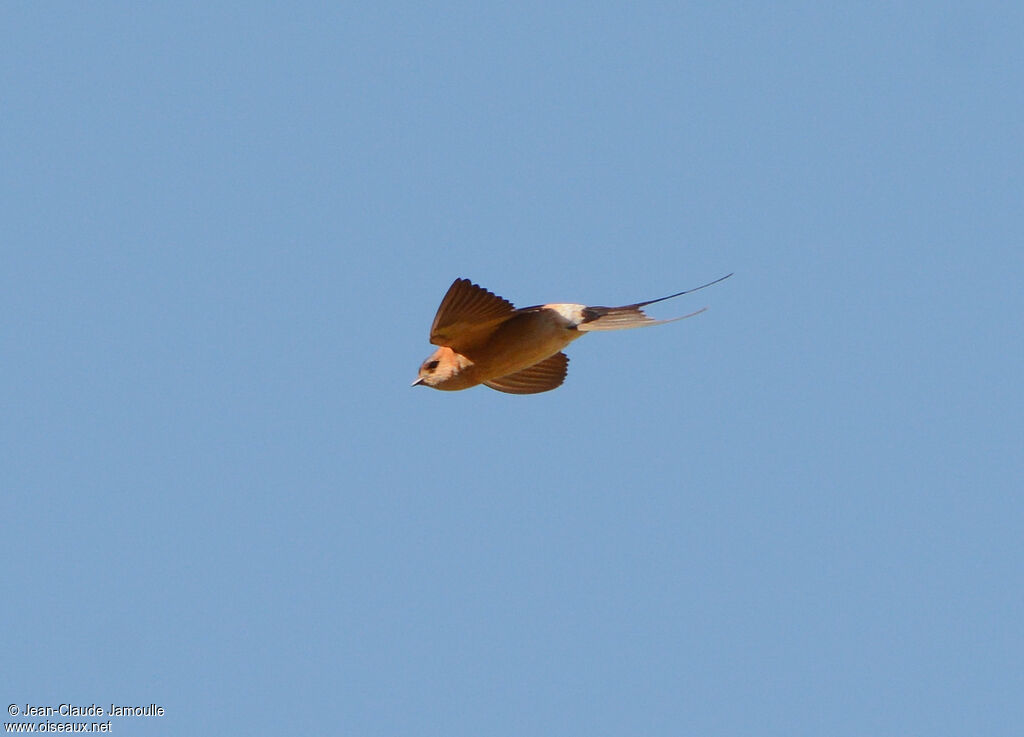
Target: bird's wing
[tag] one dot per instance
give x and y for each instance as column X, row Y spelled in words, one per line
column 540, row 377
column 467, row 316
column 631, row 316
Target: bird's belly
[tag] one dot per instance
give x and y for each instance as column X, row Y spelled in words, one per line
column 520, row 343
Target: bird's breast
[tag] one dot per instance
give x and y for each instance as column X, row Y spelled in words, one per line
column 523, row 340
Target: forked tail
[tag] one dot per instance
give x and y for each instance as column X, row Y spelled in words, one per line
column 632, row 316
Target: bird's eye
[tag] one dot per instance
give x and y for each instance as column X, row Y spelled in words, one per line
column 430, row 365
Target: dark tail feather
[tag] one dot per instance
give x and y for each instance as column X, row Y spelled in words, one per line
column 631, row 316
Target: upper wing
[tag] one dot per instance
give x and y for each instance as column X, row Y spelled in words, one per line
column 467, row 316
column 540, row 377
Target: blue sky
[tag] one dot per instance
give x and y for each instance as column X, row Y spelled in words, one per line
column 226, row 228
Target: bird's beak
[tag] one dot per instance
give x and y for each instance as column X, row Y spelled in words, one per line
column 417, row 382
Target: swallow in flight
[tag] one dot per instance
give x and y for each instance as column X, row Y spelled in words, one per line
column 483, row 339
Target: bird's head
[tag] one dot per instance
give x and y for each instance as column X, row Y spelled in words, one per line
column 442, row 370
